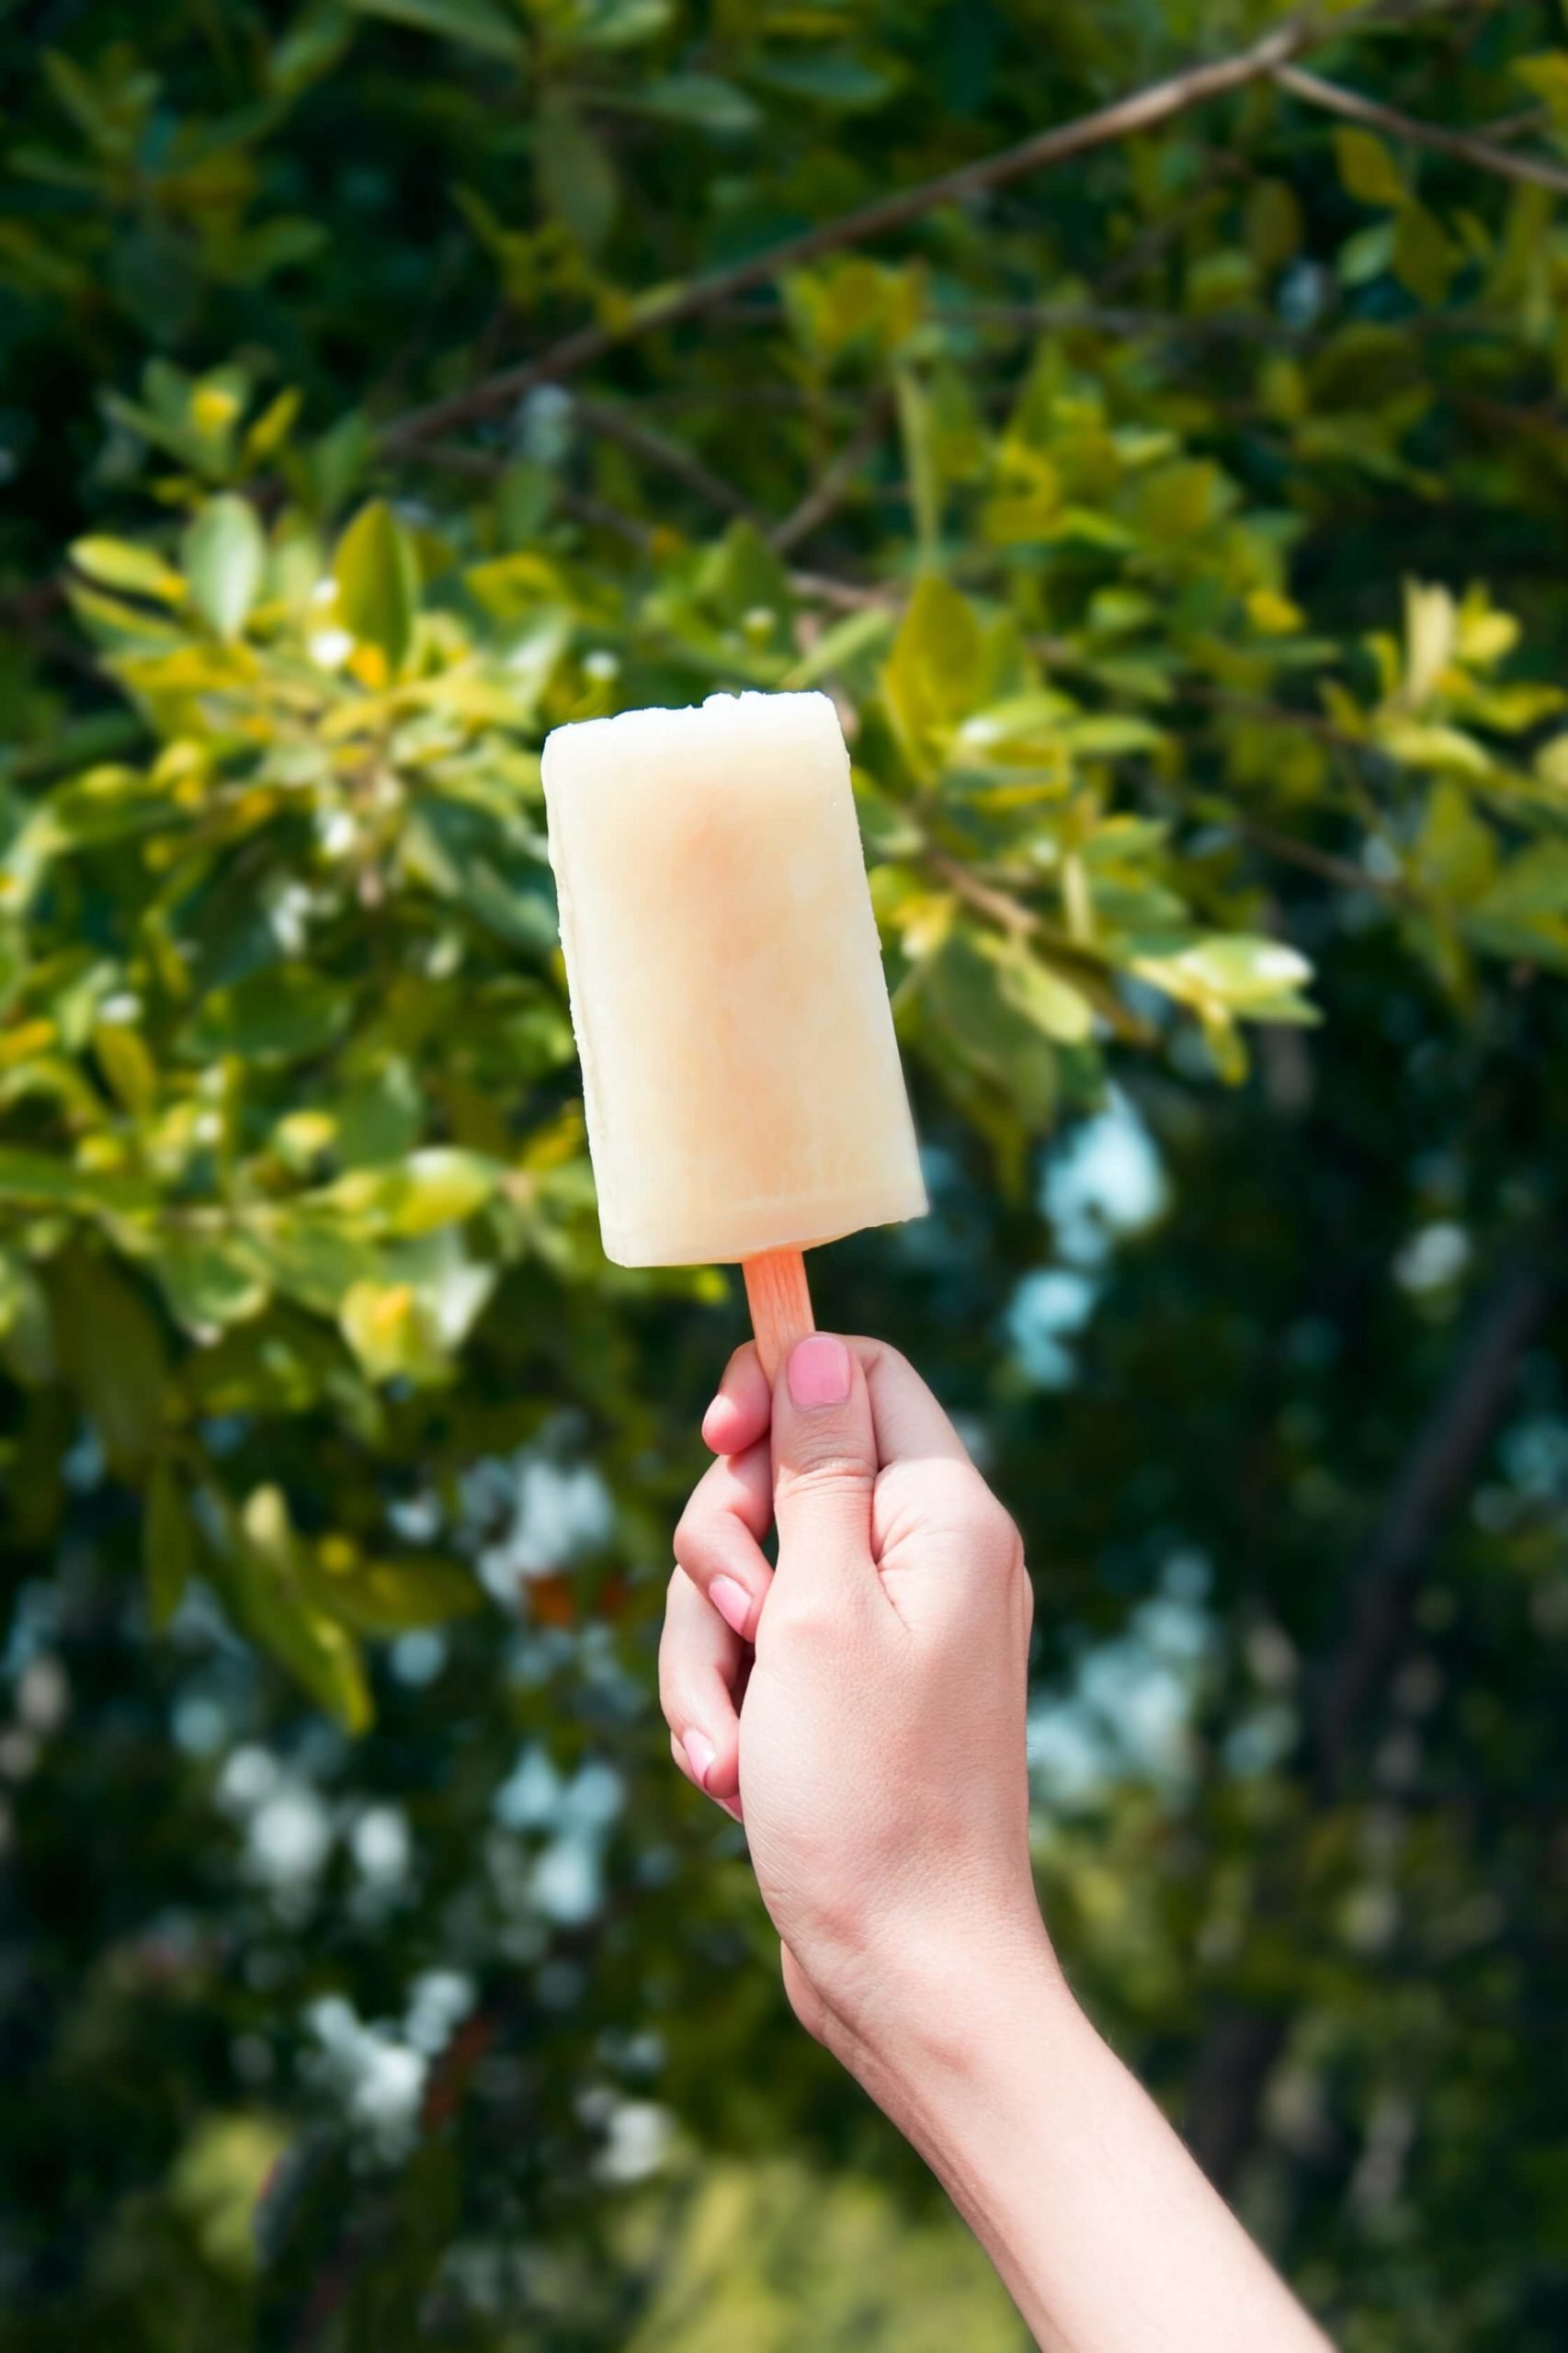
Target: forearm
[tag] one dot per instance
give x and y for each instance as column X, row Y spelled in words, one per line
column 1108, row 2236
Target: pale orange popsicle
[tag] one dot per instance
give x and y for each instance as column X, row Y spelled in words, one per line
column 742, row 1079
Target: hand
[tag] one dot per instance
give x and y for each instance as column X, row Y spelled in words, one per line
column 879, row 1750
column 866, row 1701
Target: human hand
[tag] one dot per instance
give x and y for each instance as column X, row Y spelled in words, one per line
column 865, row 1701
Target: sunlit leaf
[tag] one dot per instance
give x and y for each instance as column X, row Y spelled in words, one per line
column 377, row 582
column 482, row 25
column 224, row 556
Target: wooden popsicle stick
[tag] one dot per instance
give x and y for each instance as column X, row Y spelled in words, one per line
column 781, row 1304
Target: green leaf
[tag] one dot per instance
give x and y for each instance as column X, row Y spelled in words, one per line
column 40, row 1180
column 1547, row 75
column 935, row 669
column 835, row 78
column 209, row 1281
column 377, row 1121
column 378, row 582
column 1044, row 998
column 112, row 1352
column 976, row 1002
column 27, row 1336
column 168, row 1543
column 1533, row 884
column 274, row 1017
column 1274, row 225
column 1366, row 167
column 1111, row 736
column 840, row 646
column 704, row 100
column 135, row 571
column 744, row 575
column 1418, row 746
column 1424, row 258
column 1229, row 976
column 390, row 1597
column 577, row 179
column 389, row 1332
column 1457, row 853
column 919, row 461
column 1552, row 763
column 619, row 24
column 128, row 1066
column 475, row 24
column 887, row 830
column 224, row 556
column 431, row 1188
column 267, row 1588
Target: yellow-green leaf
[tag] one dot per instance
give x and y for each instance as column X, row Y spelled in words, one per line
column 128, row 1066
column 1366, row 167
column 378, row 582
column 224, row 556
column 168, row 1543
column 1457, row 852
column 935, row 671
column 1424, row 259
column 577, row 179
column 388, row 1597
column 135, row 571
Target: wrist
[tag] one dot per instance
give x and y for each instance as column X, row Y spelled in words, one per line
column 943, row 2020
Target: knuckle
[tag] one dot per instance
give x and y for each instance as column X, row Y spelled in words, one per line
column 827, row 1470
column 692, row 1541
column 997, row 1532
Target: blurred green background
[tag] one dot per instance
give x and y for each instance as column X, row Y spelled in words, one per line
column 1179, row 527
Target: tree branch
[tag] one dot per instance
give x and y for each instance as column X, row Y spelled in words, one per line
column 1436, row 1477
column 1461, row 144
column 1232, row 2069
column 1142, row 111
column 828, row 492
column 616, row 423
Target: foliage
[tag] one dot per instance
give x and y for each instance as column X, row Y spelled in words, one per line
column 1176, row 535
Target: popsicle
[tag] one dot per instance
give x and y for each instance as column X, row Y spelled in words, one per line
column 744, row 1093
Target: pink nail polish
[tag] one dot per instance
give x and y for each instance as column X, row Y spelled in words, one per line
column 732, row 1602
column 819, row 1371
column 699, row 1755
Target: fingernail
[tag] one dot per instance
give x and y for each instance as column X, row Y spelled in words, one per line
column 699, row 1755
column 732, row 1602
column 715, row 1414
column 819, row 1372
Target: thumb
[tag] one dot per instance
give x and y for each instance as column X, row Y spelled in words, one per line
column 825, row 1459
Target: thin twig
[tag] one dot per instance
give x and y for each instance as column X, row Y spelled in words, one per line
column 829, row 493
column 616, row 423
column 1141, row 110
column 1012, row 914
column 602, row 416
column 1341, row 871
column 483, row 465
column 1435, row 1478
column 1461, row 144
column 850, row 595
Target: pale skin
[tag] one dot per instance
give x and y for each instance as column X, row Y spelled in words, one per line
column 879, row 1756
